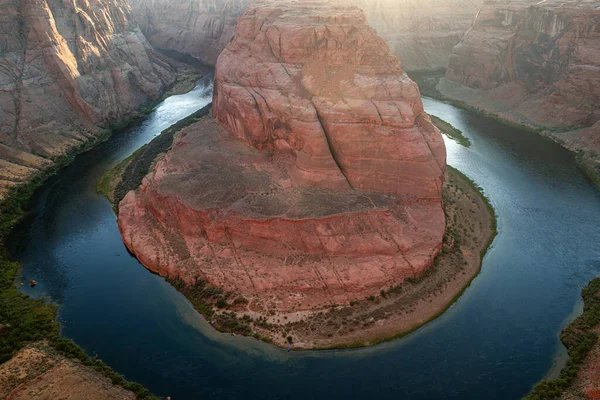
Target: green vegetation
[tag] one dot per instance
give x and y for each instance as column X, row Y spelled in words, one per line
column 480, row 192
column 579, row 339
column 205, row 298
column 22, row 319
column 106, row 182
column 450, row 131
column 586, row 165
column 128, row 174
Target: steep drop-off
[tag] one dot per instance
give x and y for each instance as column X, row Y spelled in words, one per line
column 535, row 63
column 323, row 181
column 420, row 33
column 67, row 68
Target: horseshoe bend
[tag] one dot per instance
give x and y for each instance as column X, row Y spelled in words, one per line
column 317, row 182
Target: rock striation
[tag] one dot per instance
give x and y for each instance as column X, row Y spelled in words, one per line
column 536, row 63
column 65, row 69
column 319, row 179
column 421, row 33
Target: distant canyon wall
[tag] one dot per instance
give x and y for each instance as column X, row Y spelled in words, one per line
column 420, row 33
column 535, row 63
column 199, row 28
column 541, row 59
column 65, row 69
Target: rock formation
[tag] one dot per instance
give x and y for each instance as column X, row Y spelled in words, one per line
column 66, row 67
column 536, row 63
column 421, row 33
column 318, row 180
column 199, row 28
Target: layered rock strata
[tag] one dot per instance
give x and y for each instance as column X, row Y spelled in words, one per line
column 536, row 63
column 318, row 180
column 421, row 33
column 65, row 69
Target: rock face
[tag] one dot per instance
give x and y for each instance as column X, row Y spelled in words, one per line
column 66, row 67
column 536, row 63
column 318, row 180
column 421, row 33
column 199, row 28
column 542, row 59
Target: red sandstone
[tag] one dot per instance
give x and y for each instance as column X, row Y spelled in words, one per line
column 323, row 182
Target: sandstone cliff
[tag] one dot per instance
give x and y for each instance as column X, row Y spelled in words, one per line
column 420, row 32
column 322, row 182
column 65, row 68
column 536, row 63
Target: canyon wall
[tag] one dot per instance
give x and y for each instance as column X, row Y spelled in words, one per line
column 536, row 63
column 67, row 67
column 199, row 28
column 319, row 179
column 420, row 33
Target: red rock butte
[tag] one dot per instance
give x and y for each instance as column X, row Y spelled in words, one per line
column 318, row 181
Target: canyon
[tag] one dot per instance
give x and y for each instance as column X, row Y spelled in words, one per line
column 319, row 179
column 318, row 182
column 67, row 71
column 420, row 33
column 537, row 64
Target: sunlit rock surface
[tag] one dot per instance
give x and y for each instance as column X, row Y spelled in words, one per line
column 318, row 180
column 66, row 67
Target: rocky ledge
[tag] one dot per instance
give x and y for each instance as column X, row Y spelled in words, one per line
column 319, row 179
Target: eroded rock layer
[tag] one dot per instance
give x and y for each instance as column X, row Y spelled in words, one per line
column 537, row 63
column 318, row 180
column 66, row 67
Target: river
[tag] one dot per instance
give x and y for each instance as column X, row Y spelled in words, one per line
column 495, row 342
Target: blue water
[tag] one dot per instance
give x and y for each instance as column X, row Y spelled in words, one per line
column 498, row 339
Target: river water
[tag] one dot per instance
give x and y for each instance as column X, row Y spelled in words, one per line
column 495, row 342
